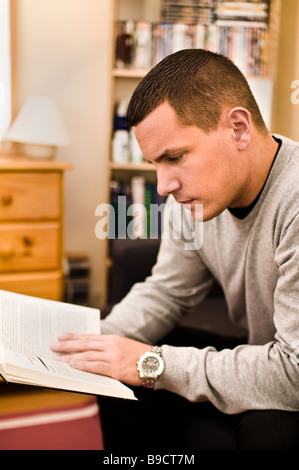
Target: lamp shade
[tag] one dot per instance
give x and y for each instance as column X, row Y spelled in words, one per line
column 39, row 123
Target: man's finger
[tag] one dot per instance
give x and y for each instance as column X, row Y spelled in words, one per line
column 95, row 367
column 77, row 345
column 66, row 336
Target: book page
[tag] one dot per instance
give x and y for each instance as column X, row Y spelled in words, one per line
column 2, row 362
column 29, row 325
column 22, row 368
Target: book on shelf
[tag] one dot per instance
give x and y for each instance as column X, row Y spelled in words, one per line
column 133, row 44
column 227, row 23
column 124, row 43
column 190, row 12
column 225, row 35
column 246, row 47
column 28, row 326
column 143, row 45
column 246, row 11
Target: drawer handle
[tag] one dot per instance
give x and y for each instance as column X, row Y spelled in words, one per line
column 6, row 200
column 7, row 251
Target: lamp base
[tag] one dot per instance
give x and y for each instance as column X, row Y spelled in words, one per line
column 42, row 152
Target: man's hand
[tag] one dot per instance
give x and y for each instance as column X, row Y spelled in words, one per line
column 109, row 355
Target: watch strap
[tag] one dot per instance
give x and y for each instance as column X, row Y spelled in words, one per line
column 147, row 382
column 157, row 350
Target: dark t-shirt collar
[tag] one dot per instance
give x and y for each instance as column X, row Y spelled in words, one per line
column 242, row 212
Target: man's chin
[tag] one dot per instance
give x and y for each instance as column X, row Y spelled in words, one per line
column 197, row 211
column 210, row 214
column 202, row 212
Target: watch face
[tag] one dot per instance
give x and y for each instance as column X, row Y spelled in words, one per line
column 150, row 364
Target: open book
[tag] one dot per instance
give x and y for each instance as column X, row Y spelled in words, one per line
column 28, row 326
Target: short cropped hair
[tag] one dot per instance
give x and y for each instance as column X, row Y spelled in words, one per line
column 198, row 84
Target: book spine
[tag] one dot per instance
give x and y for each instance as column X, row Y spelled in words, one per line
column 143, row 45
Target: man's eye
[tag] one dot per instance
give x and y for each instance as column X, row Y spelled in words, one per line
column 176, row 159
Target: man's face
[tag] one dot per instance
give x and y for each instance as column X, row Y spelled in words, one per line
column 194, row 166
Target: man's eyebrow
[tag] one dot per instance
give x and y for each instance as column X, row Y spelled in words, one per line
column 168, row 154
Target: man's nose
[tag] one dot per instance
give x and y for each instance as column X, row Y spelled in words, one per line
column 167, row 183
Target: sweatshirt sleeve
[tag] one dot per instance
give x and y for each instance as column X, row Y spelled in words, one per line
column 249, row 376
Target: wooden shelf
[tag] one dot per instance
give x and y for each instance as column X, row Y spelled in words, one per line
column 132, row 166
column 129, row 73
column 138, row 73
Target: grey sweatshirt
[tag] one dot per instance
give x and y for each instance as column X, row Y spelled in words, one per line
column 256, row 261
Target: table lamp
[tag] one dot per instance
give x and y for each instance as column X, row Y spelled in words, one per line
column 39, row 128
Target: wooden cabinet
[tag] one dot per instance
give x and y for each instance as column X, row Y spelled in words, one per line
column 31, row 227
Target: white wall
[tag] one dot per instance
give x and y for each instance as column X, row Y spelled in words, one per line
column 63, row 52
column 5, row 68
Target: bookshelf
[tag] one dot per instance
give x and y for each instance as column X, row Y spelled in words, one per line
column 255, row 31
column 128, row 73
column 131, row 166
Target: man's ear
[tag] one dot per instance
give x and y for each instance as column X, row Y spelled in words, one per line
column 241, row 124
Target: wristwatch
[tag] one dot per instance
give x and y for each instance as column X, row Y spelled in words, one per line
column 150, row 366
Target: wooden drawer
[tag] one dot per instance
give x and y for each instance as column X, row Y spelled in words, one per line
column 31, row 246
column 46, row 285
column 30, row 196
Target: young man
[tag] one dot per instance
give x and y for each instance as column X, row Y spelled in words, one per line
column 196, row 120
